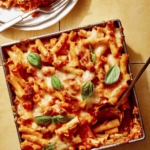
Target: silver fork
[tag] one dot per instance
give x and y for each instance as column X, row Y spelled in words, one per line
column 54, row 8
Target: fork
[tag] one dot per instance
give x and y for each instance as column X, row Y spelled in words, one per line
column 54, row 8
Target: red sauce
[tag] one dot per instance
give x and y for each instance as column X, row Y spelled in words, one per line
column 126, row 122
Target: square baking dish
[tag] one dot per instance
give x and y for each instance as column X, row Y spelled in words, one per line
column 132, row 97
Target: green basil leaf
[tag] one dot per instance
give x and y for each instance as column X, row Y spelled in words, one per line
column 43, row 120
column 61, row 119
column 87, row 90
column 56, row 83
column 50, row 146
column 112, row 75
column 93, row 57
column 93, row 54
column 34, row 59
column 54, row 120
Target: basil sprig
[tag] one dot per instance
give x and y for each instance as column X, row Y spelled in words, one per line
column 61, row 119
column 112, row 75
column 93, row 54
column 50, row 146
column 87, row 90
column 93, row 57
column 34, row 59
column 56, row 83
column 45, row 120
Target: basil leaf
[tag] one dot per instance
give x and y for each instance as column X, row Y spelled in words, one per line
column 93, row 54
column 43, row 120
column 87, row 90
column 61, row 119
column 34, row 59
column 93, row 57
column 56, row 83
column 112, row 75
column 50, row 146
column 54, row 120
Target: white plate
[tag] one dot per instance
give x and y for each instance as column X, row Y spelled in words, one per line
column 37, row 23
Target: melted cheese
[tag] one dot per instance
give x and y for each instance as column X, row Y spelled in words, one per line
column 112, row 60
column 99, row 50
column 93, row 35
column 45, row 102
column 87, row 76
column 34, row 126
column 47, row 80
column 39, row 73
column 56, row 107
column 63, row 75
column 59, row 144
column 37, row 112
column 23, row 113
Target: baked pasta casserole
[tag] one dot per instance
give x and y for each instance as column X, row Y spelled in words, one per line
column 62, row 83
column 24, row 5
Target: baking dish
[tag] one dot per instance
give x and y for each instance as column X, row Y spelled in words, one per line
column 132, row 98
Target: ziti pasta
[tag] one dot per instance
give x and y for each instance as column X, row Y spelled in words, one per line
column 61, row 83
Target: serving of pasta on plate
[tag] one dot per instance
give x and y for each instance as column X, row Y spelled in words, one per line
column 24, row 5
column 61, row 82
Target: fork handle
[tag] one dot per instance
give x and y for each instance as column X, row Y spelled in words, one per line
column 10, row 23
column 15, row 20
